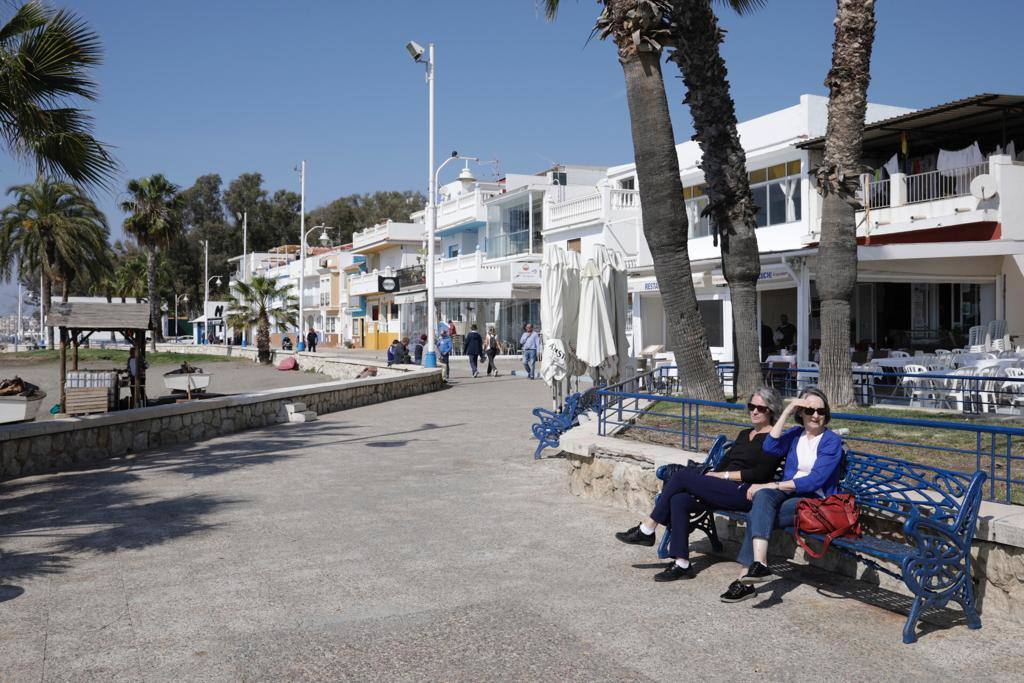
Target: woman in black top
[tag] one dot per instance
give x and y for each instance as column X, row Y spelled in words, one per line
column 688, row 491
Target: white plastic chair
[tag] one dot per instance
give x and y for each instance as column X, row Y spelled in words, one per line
column 988, row 390
column 943, row 352
column 1013, row 388
column 976, row 336
column 916, row 387
column 957, row 390
column 899, row 354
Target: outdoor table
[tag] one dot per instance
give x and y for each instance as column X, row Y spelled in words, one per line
column 892, row 362
column 781, row 359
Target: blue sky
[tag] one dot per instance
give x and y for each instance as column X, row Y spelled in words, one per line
column 228, row 86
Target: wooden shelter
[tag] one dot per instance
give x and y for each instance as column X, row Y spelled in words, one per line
column 77, row 321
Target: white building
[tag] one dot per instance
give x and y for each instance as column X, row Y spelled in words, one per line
column 934, row 259
column 490, row 241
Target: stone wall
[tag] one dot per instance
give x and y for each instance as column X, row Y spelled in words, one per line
column 53, row 445
column 338, row 367
column 628, row 482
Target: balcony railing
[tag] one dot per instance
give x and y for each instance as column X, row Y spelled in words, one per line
column 576, row 210
column 511, row 244
column 464, row 268
column 411, row 276
column 593, row 207
column 625, row 200
column 878, row 194
column 464, row 207
column 955, row 182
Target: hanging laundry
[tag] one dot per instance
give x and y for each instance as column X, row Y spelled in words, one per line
column 950, row 160
column 893, row 165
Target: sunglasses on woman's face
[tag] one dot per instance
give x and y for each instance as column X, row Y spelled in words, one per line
column 756, row 408
column 814, row 411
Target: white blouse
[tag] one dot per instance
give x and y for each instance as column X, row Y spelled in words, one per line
column 807, row 455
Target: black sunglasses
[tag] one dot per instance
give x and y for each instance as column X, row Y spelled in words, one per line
column 811, row 411
column 760, row 409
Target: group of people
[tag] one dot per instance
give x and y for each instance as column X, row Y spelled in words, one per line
column 747, row 480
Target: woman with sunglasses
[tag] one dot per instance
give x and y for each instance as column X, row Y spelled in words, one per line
column 813, row 456
column 688, row 491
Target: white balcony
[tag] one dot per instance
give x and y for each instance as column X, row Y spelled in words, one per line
column 464, row 269
column 467, row 208
column 385, row 234
column 362, row 284
column 938, row 199
column 605, row 205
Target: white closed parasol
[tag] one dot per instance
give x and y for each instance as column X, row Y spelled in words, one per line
column 553, row 363
column 595, row 334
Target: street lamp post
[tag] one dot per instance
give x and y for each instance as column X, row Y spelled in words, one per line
column 244, row 217
column 181, row 297
column 417, row 52
column 302, row 249
column 325, row 239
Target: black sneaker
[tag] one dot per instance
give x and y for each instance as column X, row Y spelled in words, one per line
column 738, row 592
column 673, row 573
column 635, row 537
column 757, row 573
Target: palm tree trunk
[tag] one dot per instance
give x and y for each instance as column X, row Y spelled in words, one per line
column 724, row 162
column 154, row 309
column 837, row 177
column 44, row 297
column 263, row 340
column 64, row 290
column 664, row 220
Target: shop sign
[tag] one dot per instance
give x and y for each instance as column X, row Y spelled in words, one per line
column 387, row 284
column 526, row 273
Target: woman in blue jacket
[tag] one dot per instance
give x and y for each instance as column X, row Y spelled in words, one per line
column 813, row 456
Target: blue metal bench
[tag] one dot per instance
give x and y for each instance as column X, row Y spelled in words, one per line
column 939, row 509
column 553, row 424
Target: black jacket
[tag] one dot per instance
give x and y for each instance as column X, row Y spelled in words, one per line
column 474, row 344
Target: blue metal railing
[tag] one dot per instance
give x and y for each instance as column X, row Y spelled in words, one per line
column 997, row 450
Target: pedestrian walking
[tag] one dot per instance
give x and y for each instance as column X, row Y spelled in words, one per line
column 491, row 349
column 417, row 349
column 311, row 340
column 474, row 346
column 444, row 350
column 530, row 342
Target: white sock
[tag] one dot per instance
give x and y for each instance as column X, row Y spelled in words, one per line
column 681, row 563
column 646, row 530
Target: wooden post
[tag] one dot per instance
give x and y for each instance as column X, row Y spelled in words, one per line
column 74, row 349
column 63, row 369
column 142, row 366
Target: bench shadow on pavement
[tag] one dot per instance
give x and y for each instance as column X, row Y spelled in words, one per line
column 835, row 587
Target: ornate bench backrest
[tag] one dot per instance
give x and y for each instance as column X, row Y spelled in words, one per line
column 904, row 488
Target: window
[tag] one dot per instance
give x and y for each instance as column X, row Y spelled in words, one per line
column 325, row 291
column 453, row 250
column 508, row 227
column 559, row 179
column 375, row 313
column 627, row 184
column 574, row 245
column 776, row 192
column 711, row 312
column 394, row 312
column 331, row 324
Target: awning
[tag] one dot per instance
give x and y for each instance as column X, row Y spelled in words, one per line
column 411, row 297
column 486, row 290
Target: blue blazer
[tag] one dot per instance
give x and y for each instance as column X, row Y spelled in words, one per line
column 824, row 474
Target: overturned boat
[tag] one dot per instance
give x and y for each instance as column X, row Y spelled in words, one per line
column 187, row 379
column 19, row 400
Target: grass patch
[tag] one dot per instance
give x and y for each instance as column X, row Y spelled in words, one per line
column 945, row 448
column 117, row 356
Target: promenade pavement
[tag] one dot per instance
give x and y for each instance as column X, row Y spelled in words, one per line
column 411, row 540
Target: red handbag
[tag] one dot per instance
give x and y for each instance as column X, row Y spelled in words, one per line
column 834, row 516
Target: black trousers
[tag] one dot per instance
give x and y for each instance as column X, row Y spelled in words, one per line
column 689, row 491
column 491, row 367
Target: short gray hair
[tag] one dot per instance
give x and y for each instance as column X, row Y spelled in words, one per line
column 772, row 398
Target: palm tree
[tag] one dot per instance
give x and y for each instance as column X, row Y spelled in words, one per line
column 54, row 229
column 696, row 39
column 45, row 60
column 837, row 178
column 639, row 29
column 253, row 303
column 130, row 278
column 155, row 223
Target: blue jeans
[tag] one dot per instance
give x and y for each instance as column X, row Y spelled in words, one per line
column 529, row 361
column 770, row 509
column 472, row 364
